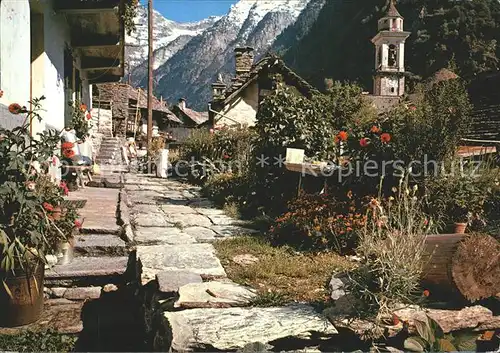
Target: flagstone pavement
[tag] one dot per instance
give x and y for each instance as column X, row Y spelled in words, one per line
column 174, row 227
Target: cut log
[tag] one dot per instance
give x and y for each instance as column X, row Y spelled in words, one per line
column 467, row 264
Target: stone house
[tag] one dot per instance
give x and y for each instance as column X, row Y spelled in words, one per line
column 128, row 107
column 58, row 49
column 237, row 105
column 190, row 118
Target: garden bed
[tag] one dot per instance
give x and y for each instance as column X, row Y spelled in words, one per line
column 279, row 274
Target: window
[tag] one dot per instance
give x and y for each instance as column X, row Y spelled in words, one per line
column 392, row 55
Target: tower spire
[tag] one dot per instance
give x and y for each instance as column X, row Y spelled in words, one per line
column 392, row 11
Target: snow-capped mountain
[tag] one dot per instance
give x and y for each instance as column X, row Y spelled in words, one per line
column 169, row 37
column 189, row 72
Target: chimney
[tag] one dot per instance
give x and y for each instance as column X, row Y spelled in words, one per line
column 182, row 103
column 244, row 60
column 218, row 87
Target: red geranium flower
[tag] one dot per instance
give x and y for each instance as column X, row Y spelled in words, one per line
column 395, row 320
column 48, row 207
column 64, row 188
column 69, row 153
column 15, row 108
column 364, row 142
column 83, row 107
column 426, row 293
column 343, row 136
column 385, row 137
column 226, row 156
column 67, row 145
column 375, row 129
column 413, row 107
column 336, row 140
column 89, row 116
column 78, row 224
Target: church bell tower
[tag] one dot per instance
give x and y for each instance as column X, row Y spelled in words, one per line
column 389, row 54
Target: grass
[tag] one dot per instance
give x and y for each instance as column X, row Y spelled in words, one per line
column 281, row 275
column 40, row 341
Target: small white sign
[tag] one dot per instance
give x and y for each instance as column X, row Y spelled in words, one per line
column 294, row 156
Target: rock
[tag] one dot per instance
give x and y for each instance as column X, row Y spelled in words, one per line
column 175, row 209
column 201, row 234
column 337, row 286
column 214, row 295
column 232, row 231
column 197, row 258
column 146, row 209
column 159, row 235
column 209, row 211
column 99, row 245
column 144, row 197
column 223, row 220
column 245, row 259
column 476, row 317
column 201, row 203
column 150, row 220
column 108, row 288
column 233, row 328
column 189, row 220
column 171, row 281
column 82, row 293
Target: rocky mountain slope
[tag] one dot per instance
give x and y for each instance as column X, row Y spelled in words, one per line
column 191, row 70
column 169, row 37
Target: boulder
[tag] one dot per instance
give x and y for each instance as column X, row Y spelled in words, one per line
column 214, row 295
column 234, row 328
column 338, row 285
column 245, row 259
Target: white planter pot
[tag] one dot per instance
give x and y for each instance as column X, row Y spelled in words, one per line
column 162, row 164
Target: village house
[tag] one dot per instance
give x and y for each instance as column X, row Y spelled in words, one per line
column 58, row 49
column 127, row 106
column 237, row 105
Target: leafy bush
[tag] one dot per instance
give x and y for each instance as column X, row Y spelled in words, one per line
column 321, row 222
column 219, row 151
column 287, row 119
column 24, row 213
column 80, row 119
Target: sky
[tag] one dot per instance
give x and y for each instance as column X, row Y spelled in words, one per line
column 191, row 10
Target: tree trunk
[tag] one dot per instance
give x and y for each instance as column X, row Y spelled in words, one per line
column 466, row 264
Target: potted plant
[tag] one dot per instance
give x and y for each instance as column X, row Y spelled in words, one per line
column 63, row 220
column 456, row 200
column 24, row 221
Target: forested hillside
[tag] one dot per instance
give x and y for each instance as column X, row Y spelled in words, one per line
column 465, row 33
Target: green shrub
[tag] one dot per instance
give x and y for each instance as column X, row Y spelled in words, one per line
column 40, row 341
column 321, row 222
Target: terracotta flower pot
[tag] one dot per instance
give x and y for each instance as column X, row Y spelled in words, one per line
column 24, row 304
column 460, row 228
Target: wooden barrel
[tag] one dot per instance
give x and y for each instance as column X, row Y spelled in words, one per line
column 463, row 264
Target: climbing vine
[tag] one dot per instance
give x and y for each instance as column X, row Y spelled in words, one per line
column 130, row 12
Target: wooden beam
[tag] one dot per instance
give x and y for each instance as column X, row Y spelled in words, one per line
column 88, row 11
column 104, row 79
column 74, row 5
column 98, row 63
column 89, row 40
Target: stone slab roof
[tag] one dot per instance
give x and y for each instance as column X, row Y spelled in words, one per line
column 267, row 62
column 122, row 93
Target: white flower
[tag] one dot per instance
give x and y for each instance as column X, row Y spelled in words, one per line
column 415, row 187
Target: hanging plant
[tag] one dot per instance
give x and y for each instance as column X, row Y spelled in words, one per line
column 130, row 12
column 79, row 119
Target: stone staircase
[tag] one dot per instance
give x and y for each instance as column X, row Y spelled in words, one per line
column 94, row 294
column 110, row 162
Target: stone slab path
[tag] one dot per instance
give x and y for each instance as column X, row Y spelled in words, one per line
column 173, row 228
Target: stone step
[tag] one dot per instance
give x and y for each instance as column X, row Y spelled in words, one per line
column 75, row 293
column 292, row 327
column 100, row 245
column 88, row 271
